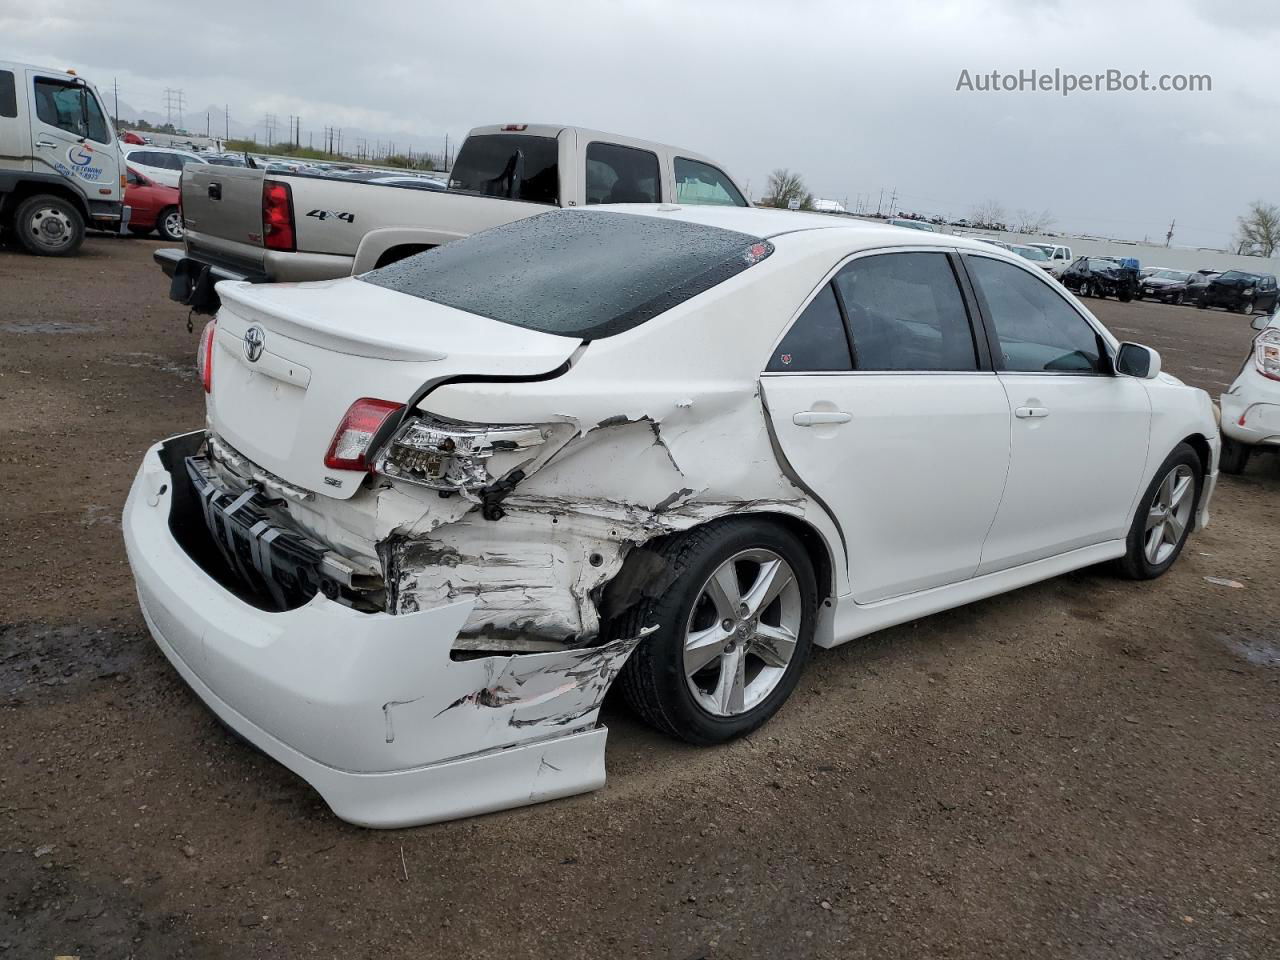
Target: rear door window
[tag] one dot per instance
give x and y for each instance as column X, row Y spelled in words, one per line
column 575, row 273
column 8, row 94
column 617, row 174
column 698, row 182
column 508, row 165
column 906, row 312
column 816, row 341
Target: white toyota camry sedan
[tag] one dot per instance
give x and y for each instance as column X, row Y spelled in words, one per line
column 1251, row 405
column 439, row 509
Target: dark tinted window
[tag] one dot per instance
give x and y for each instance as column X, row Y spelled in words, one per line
column 698, row 182
column 508, row 165
column 816, row 341
column 8, row 95
column 906, row 312
column 1037, row 328
column 621, row 174
column 67, row 106
column 575, row 273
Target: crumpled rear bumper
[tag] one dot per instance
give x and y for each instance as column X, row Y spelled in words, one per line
column 369, row 708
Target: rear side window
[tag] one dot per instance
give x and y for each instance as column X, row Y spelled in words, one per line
column 508, row 165
column 906, row 312
column 621, row 174
column 1038, row 329
column 8, row 95
column 70, row 107
column 698, row 182
column 575, row 273
column 816, row 341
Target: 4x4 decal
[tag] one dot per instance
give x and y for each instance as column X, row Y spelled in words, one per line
column 334, row 214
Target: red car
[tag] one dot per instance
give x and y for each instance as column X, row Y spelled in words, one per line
column 155, row 207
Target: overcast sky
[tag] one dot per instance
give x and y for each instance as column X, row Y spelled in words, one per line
column 857, row 97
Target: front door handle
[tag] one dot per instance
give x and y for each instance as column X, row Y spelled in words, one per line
column 1031, row 413
column 45, row 143
column 810, row 418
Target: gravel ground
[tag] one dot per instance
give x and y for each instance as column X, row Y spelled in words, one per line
column 1084, row 768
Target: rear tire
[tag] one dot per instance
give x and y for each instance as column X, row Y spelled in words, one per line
column 1246, row 306
column 48, row 226
column 664, row 682
column 1086, row 289
column 169, row 224
column 1166, row 513
column 1234, row 457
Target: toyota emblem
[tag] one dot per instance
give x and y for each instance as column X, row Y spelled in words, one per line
column 254, row 338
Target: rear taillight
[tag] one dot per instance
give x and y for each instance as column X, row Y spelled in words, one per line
column 204, row 355
column 444, row 455
column 350, row 449
column 1266, row 353
column 277, row 216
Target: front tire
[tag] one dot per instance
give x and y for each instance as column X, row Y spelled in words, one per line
column 1166, row 514
column 1246, row 306
column 1234, row 457
column 49, row 226
column 734, row 631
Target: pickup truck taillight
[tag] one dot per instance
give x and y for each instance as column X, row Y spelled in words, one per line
column 1266, row 353
column 204, row 355
column 350, row 449
column 277, row 216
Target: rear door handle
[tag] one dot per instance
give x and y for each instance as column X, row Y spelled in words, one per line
column 1031, row 413
column 809, row 418
column 215, row 191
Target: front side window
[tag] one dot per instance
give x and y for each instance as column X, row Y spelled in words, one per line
column 816, row 341
column 906, row 312
column 1038, row 329
column 8, row 94
column 698, row 182
column 621, row 174
column 509, row 165
column 70, row 107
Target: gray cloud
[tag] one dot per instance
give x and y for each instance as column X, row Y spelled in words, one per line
column 856, row 96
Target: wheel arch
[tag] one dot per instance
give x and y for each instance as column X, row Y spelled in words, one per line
column 1200, row 444
column 25, row 189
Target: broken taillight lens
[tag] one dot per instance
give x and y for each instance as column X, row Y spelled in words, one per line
column 445, row 455
column 350, row 447
column 204, row 355
column 1266, row 353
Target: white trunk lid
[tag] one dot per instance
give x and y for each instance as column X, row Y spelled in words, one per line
column 326, row 345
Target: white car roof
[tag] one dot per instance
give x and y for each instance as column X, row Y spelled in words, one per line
column 845, row 232
column 135, row 147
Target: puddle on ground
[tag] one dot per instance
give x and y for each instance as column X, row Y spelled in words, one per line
column 38, row 661
column 47, row 326
column 1260, row 651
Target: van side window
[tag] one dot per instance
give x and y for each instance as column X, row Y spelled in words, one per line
column 66, row 106
column 816, row 341
column 617, row 174
column 8, row 95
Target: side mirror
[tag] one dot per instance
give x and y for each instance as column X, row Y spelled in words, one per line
column 1135, row 360
column 1260, row 321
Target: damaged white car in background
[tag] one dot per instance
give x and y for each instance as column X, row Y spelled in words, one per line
column 438, row 509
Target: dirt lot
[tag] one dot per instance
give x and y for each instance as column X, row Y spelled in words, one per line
column 1086, row 768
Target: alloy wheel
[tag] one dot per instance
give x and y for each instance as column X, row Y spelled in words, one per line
column 172, row 225
column 1169, row 514
column 742, row 632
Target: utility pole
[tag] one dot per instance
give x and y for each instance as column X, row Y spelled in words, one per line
column 893, row 203
column 880, row 201
column 1168, row 237
column 173, row 98
column 115, row 87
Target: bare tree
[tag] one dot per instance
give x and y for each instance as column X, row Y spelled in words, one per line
column 989, row 214
column 1028, row 221
column 1258, row 231
column 785, row 186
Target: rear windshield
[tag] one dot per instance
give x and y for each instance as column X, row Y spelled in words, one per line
column 508, row 165
column 575, row 273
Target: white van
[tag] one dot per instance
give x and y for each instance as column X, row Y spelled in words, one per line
column 61, row 167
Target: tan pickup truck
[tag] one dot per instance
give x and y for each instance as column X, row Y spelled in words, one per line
column 244, row 223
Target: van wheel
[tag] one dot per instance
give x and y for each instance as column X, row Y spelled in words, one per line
column 169, row 224
column 1166, row 513
column 49, row 226
column 734, row 632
